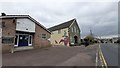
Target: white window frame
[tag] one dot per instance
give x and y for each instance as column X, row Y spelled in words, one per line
column 29, row 40
column 17, row 40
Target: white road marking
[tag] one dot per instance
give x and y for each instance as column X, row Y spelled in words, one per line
column 96, row 59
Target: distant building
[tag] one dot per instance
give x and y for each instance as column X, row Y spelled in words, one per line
column 67, row 33
column 22, row 31
column 110, row 39
column 116, row 39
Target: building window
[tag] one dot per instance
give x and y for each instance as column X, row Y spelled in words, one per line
column 7, row 40
column 72, row 29
column 77, row 31
column 44, row 36
column 59, row 31
column 30, row 39
column 16, row 40
column 71, row 38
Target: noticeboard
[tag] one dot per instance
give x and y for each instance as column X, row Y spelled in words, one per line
column 7, row 40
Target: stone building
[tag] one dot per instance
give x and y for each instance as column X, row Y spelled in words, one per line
column 67, row 33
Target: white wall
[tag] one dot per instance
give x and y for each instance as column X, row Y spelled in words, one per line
column 24, row 24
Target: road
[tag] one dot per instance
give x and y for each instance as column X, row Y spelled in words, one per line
column 110, row 53
column 53, row 56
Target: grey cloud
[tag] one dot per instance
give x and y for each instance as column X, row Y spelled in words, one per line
column 94, row 15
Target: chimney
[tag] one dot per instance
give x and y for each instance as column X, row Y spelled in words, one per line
column 3, row 14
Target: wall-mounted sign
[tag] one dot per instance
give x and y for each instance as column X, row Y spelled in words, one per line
column 7, row 40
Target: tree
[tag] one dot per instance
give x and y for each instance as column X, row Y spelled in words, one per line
column 90, row 39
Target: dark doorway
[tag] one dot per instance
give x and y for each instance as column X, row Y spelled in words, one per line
column 23, row 40
column 76, row 39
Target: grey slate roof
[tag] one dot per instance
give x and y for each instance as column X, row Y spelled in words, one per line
column 61, row 26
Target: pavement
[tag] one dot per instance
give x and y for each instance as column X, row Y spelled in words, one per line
column 53, row 56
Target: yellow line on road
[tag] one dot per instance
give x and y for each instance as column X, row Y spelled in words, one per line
column 101, row 62
column 102, row 58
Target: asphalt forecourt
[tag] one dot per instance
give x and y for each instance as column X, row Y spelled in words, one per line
column 53, row 56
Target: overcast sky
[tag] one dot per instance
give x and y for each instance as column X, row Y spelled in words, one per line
column 100, row 17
